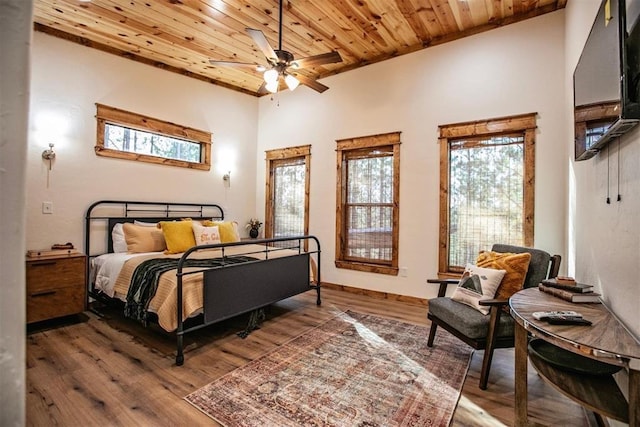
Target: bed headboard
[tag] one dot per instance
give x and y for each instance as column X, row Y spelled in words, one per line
column 102, row 216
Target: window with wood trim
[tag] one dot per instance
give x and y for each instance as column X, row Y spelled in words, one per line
column 368, row 212
column 131, row 136
column 287, row 192
column 486, row 188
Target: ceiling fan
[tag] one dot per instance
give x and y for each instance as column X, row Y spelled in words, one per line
column 282, row 64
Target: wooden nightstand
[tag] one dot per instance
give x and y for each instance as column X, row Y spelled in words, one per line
column 55, row 286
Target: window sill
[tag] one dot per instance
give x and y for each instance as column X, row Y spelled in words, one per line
column 449, row 275
column 370, row 268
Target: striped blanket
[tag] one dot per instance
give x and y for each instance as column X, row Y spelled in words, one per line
column 145, row 278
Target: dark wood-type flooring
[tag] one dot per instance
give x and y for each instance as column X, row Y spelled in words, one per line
column 96, row 373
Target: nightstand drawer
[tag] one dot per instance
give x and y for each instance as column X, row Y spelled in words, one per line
column 47, row 304
column 45, row 274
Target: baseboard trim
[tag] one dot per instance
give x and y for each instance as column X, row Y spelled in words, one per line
column 376, row 294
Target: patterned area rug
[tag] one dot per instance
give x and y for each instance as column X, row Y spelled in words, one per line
column 353, row 370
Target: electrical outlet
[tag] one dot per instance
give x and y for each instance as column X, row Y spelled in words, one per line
column 47, row 207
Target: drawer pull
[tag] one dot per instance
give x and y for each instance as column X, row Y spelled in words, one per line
column 43, row 294
column 42, row 263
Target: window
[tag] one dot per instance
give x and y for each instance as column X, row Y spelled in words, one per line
column 486, row 188
column 131, row 136
column 591, row 123
column 287, row 198
column 367, row 203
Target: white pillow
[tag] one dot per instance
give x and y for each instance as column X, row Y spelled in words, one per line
column 477, row 284
column 205, row 235
column 117, row 238
column 145, row 224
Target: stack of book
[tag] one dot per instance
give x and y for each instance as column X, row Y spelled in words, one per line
column 569, row 290
column 35, row 253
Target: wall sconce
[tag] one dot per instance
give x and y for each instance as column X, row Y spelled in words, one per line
column 49, row 155
column 227, row 179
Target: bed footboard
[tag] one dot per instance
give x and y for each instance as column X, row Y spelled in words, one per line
column 237, row 288
column 245, row 287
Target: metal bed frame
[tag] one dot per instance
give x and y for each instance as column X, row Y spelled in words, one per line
column 229, row 290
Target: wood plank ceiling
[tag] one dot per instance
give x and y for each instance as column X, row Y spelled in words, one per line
column 183, row 35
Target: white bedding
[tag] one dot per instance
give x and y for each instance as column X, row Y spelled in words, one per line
column 106, row 268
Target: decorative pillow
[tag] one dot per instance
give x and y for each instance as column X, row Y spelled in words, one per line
column 178, row 235
column 205, row 235
column 117, row 238
column 228, row 231
column 515, row 265
column 143, row 239
column 477, row 284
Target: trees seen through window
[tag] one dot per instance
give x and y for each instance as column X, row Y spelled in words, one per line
column 487, row 188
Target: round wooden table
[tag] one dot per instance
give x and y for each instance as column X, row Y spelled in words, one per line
column 606, row 340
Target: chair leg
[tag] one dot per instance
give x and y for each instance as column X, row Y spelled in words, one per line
column 491, row 342
column 432, row 334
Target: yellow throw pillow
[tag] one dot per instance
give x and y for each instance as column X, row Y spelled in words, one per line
column 515, row 265
column 178, row 235
column 228, row 231
column 143, row 239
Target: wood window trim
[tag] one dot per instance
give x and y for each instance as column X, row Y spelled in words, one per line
column 273, row 156
column 106, row 114
column 359, row 143
column 525, row 123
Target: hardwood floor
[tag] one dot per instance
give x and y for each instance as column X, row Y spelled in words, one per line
column 96, row 373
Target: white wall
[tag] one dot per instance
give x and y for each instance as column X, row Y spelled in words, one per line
column 604, row 239
column 15, row 42
column 68, row 79
column 512, row 70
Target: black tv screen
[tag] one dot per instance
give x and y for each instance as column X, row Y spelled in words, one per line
column 606, row 78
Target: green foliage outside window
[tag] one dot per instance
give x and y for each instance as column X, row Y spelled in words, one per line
column 486, row 195
column 140, row 142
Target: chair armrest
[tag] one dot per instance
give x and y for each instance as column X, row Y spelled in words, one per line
column 493, row 302
column 442, row 290
column 445, row 281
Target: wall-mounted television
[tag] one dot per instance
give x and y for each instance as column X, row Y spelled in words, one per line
column 606, row 81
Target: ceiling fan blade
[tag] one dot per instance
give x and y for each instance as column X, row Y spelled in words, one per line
column 313, row 61
column 243, row 65
column 307, row 81
column 261, row 41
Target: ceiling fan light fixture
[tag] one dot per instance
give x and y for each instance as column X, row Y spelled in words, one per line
column 291, row 82
column 271, row 76
column 280, row 61
column 272, row 86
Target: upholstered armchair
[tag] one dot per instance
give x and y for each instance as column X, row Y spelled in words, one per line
column 495, row 329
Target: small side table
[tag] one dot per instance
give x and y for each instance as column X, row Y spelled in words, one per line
column 55, row 286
